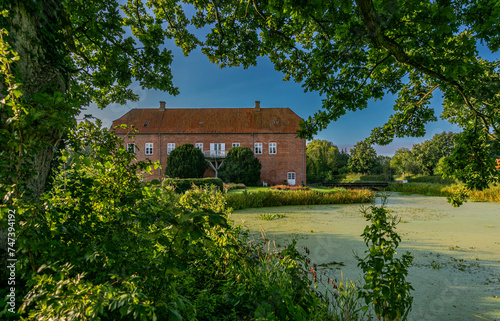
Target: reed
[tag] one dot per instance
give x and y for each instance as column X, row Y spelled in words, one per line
column 298, row 197
column 491, row 194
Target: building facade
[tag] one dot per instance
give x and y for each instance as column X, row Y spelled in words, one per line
column 270, row 132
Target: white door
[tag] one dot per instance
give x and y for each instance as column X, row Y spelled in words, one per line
column 217, row 149
column 291, row 178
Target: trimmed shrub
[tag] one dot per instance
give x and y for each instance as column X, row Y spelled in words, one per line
column 185, row 184
column 241, row 166
column 186, row 161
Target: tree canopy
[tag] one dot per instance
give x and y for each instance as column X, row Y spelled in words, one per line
column 58, row 56
column 363, row 158
column 404, row 162
column 352, row 52
column 428, row 153
column 322, row 157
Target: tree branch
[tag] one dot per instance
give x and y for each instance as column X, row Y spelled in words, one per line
column 372, row 24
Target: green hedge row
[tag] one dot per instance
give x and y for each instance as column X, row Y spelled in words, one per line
column 182, row 185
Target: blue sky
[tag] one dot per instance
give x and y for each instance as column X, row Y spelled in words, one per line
column 203, row 84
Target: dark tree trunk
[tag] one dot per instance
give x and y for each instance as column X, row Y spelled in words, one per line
column 38, row 71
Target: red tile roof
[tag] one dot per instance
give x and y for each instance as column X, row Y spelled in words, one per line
column 210, row 120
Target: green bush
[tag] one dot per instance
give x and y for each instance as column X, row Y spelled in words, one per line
column 385, row 276
column 241, row 166
column 183, row 185
column 186, row 161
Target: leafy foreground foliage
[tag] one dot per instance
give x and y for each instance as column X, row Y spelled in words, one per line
column 385, row 276
column 297, row 197
column 103, row 246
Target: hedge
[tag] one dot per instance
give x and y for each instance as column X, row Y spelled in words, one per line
column 184, row 184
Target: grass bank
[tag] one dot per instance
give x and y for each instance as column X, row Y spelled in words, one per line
column 491, row 194
column 270, row 198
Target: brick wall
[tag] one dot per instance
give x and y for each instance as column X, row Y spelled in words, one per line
column 290, row 155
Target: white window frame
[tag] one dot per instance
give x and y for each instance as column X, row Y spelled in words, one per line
column 273, row 149
column 131, row 148
column 148, row 149
column 199, row 146
column 170, row 148
column 236, row 145
column 258, row 148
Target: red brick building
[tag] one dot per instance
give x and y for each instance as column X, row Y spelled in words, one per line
column 269, row 132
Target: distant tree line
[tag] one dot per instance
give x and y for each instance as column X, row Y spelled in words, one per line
column 325, row 161
column 424, row 158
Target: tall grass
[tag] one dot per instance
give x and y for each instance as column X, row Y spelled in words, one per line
column 491, row 194
column 311, row 197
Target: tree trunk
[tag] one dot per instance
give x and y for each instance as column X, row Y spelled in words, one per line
column 38, row 71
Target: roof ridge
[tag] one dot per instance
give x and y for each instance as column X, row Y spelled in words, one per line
column 212, row 120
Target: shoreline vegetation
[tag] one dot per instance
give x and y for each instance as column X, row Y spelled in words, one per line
column 270, row 198
column 491, row 194
column 240, row 197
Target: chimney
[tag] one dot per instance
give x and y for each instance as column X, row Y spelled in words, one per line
column 257, row 105
column 162, row 106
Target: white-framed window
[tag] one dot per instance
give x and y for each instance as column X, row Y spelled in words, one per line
column 199, row 146
column 272, row 148
column 148, row 149
column 236, row 145
column 131, row 148
column 170, row 148
column 258, row 148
